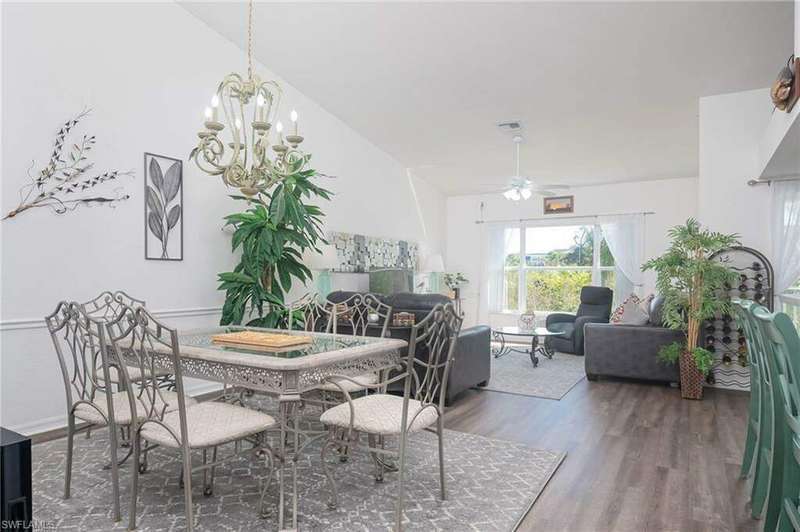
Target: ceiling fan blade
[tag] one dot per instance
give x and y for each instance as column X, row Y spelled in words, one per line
column 555, row 186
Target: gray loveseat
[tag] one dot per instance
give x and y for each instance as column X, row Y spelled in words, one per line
column 630, row 351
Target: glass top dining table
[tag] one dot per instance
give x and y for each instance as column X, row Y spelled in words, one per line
column 286, row 373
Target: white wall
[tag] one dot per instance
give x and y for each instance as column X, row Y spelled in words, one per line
column 147, row 71
column 672, row 201
column 731, row 126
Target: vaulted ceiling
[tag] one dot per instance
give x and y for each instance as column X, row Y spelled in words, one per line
column 606, row 91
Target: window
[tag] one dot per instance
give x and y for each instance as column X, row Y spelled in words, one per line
column 790, row 301
column 546, row 267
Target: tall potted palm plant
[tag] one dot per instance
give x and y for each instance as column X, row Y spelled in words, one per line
column 693, row 284
column 272, row 234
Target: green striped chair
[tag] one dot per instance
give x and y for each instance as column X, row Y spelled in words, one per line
column 759, row 447
column 783, row 344
column 740, row 309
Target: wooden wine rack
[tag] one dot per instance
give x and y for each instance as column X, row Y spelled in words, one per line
column 722, row 335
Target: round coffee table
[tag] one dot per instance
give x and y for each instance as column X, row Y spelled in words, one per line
column 539, row 338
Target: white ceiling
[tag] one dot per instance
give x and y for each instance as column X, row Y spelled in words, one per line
column 607, row 92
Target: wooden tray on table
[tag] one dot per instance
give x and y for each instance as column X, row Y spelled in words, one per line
column 260, row 341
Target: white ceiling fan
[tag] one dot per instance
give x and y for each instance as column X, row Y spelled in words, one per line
column 522, row 188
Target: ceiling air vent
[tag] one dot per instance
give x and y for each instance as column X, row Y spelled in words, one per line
column 511, row 126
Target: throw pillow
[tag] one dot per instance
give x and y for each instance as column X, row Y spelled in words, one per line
column 617, row 314
column 632, row 311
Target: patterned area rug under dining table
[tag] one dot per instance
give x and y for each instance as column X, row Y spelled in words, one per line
column 551, row 379
column 491, row 485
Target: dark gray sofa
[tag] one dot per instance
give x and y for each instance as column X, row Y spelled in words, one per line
column 630, row 351
column 472, row 360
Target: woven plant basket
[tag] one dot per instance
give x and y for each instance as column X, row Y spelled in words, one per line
column 691, row 377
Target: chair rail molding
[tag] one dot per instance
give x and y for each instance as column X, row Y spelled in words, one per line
column 38, row 323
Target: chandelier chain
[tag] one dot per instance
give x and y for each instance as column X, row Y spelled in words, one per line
column 250, row 40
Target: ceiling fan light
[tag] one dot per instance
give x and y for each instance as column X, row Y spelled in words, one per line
column 526, row 193
column 509, row 194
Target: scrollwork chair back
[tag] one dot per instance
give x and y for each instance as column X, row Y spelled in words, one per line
column 430, row 353
column 141, row 341
column 107, row 306
column 360, row 313
column 310, row 314
column 78, row 342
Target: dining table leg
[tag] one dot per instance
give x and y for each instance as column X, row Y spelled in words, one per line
column 288, row 412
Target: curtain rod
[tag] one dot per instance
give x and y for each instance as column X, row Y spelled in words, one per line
column 770, row 180
column 556, row 217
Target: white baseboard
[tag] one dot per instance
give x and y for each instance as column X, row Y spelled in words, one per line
column 40, row 426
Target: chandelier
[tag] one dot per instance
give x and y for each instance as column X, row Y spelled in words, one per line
column 235, row 140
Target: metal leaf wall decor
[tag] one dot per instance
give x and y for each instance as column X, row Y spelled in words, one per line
column 67, row 181
column 163, row 208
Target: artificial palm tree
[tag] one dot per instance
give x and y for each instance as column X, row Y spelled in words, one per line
column 693, row 284
column 274, row 231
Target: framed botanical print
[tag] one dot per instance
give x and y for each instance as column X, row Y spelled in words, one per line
column 559, row 204
column 163, row 207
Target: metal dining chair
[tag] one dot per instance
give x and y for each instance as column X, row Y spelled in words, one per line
column 380, row 414
column 309, row 314
column 80, row 341
column 106, row 307
column 144, row 342
column 357, row 316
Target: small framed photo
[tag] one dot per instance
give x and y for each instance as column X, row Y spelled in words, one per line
column 163, row 207
column 559, row 204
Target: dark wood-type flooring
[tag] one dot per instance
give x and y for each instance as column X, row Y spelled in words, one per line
column 639, row 457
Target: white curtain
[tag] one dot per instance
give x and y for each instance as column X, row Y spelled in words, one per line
column 495, row 240
column 624, row 235
column 785, row 229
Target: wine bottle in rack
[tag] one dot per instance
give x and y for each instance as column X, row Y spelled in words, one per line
column 710, row 328
column 726, row 329
column 726, row 340
column 743, row 278
column 726, row 359
column 756, row 266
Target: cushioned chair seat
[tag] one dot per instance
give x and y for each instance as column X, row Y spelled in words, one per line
column 364, row 381
column 566, row 329
column 134, row 374
column 209, row 424
column 379, row 414
column 122, row 410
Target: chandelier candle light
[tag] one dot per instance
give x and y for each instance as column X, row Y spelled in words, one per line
column 242, row 156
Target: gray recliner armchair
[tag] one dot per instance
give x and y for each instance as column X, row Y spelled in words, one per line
column 595, row 307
